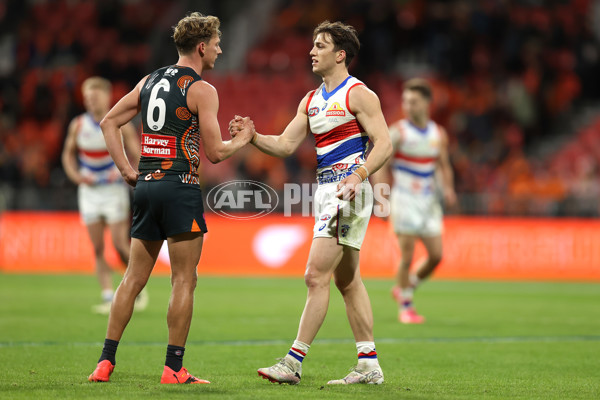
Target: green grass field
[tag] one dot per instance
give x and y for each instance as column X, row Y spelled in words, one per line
column 482, row 340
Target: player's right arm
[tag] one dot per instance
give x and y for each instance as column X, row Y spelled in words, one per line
column 285, row 144
column 117, row 117
column 383, row 176
column 69, row 156
column 204, row 102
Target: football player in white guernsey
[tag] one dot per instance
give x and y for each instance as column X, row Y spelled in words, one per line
column 420, row 150
column 343, row 115
column 103, row 197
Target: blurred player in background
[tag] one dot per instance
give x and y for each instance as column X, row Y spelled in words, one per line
column 342, row 114
column 103, row 196
column 178, row 109
column 420, row 149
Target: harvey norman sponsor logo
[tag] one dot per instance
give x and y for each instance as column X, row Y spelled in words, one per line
column 158, row 146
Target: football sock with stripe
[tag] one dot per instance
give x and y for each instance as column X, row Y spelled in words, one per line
column 109, row 351
column 298, row 351
column 107, row 295
column 174, row 358
column 414, row 281
column 407, row 297
column 366, row 353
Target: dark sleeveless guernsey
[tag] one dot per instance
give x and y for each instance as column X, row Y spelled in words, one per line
column 170, row 138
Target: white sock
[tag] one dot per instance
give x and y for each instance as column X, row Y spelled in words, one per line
column 407, row 293
column 298, row 351
column 107, row 295
column 366, row 353
column 414, row 281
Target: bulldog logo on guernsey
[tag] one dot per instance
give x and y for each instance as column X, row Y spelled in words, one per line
column 335, row 111
column 158, row 146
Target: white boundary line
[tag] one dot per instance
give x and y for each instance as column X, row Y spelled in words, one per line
column 277, row 342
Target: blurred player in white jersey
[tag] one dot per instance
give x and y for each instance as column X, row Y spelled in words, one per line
column 420, row 149
column 343, row 115
column 103, row 196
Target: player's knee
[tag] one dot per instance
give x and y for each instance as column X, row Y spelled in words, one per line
column 314, row 279
column 99, row 250
column 188, row 281
column 135, row 283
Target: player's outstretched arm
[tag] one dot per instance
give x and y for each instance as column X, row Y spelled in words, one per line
column 365, row 105
column 204, row 102
column 117, row 117
column 285, row 144
column 446, row 170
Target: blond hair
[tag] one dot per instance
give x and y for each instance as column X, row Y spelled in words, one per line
column 96, row 82
column 193, row 29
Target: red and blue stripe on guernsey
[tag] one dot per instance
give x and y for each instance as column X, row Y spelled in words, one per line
column 423, row 167
column 339, row 137
column 95, row 160
column 93, row 155
column 342, row 142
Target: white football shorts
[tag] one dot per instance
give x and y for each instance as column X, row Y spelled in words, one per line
column 109, row 202
column 345, row 220
column 418, row 215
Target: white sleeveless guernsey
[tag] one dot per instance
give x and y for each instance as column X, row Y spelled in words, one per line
column 108, row 198
column 94, row 158
column 341, row 143
column 415, row 205
column 415, row 157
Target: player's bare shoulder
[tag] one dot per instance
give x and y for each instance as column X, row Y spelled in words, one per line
column 361, row 98
column 303, row 106
column 201, row 94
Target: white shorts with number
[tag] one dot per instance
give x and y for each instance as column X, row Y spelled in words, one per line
column 418, row 215
column 345, row 220
column 109, row 202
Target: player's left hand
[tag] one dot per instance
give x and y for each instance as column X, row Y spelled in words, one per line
column 348, row 187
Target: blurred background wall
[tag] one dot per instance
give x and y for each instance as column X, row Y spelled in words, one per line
column 516, row 84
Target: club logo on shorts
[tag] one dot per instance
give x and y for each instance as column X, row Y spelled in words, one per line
column 344, row 230
column 325, row 217
column 313, row 111
column 242, row 199
column 335, row 111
